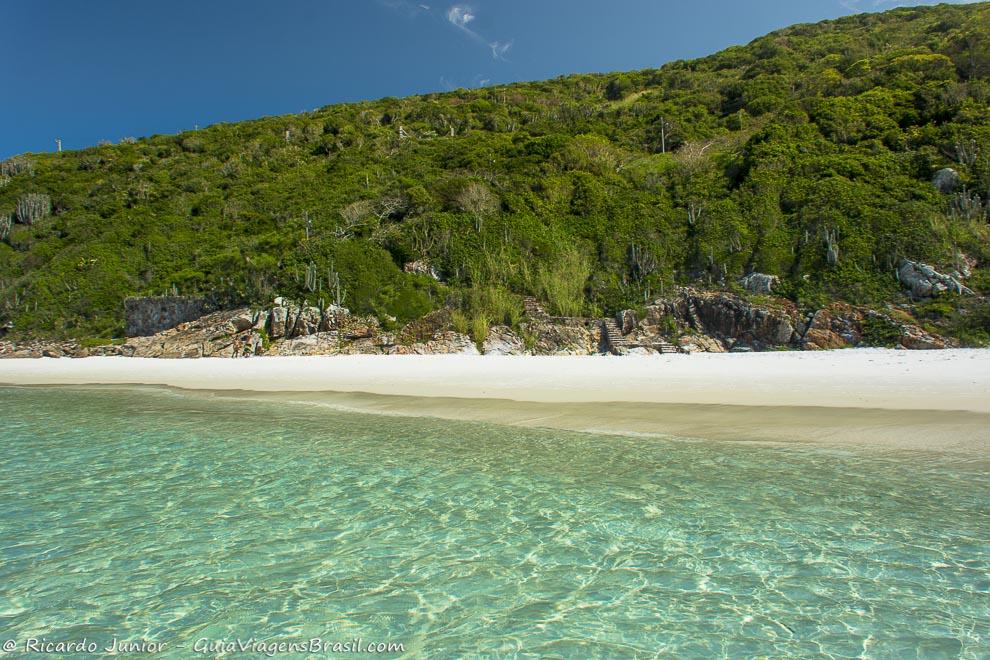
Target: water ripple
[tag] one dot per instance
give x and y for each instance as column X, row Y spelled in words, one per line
column 124, row 515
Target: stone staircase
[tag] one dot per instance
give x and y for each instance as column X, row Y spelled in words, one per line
column 612, row 338
column 665, row 347
column 613, row 341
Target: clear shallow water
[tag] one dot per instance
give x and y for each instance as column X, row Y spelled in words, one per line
column 152, row 514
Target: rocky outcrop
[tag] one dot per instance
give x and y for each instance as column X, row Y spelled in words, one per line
column 759, row 282
column 923, row 281
column 563, row 336
column 700, row 344
column 230, row 333
column 626, row 320
column 689, row 321
column 38, row 349
column 446, row 342
column 716, row 322
column 843, row 326
column 288, row 321
column 501, row 340
column 728, row 318
column 837, row 326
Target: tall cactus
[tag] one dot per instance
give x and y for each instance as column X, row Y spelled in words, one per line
column 311, row 277
column 5, row 224
column 336, row 290
column 33, row 207
column 832, row 246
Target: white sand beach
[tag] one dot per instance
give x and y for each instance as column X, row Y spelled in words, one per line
column 862, row 378
column 934, row 399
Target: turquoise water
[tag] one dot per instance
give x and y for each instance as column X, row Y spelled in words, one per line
column 159, row 515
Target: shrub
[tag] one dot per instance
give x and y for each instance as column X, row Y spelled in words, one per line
column 618, row 87
column 461, row 322
column 880, row 331
column 479, row 329
column 561, row 283
column 496, row 304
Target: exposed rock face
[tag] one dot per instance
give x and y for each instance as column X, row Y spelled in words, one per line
column 725, row 316
column 319, row 343
column 690, row 321
column 923, row 281
column 289, row 321
column 916, row 339
column 502, row 341
column 759, row 282
column 146, row 316
column 443, row 343
column 700, row 344
column 946, row 180
column 626, row 320
column 836, row 326
column 38, row 349
column 715, row 322
column 843, row 326
column 564, row 336
column 215, row 335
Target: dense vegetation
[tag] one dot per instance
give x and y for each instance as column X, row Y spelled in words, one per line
column 808, row 154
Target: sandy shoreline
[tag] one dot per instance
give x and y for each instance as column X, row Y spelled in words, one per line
column 896, row 380
column 902, row 399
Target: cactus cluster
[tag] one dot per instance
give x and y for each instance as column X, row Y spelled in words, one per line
column 33, row 207
column 967, row 205
column 16, row 165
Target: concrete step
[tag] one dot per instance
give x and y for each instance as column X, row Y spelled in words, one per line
column 612, row 334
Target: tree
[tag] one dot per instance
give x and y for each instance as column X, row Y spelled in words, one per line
column 477, row 199
column 617, row 88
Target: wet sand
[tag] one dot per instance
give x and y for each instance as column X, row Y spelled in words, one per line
column 937, row 400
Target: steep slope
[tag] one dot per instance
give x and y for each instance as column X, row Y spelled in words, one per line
column 808, row 154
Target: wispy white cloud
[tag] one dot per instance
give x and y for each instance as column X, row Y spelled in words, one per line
column 460, row 16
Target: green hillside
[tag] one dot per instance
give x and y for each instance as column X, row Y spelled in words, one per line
column 808, row 154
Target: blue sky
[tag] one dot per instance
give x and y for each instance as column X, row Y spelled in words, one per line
column 105, row 69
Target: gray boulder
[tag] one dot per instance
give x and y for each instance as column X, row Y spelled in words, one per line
column 946, row 180
column 923, row 281
column 759, row 282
